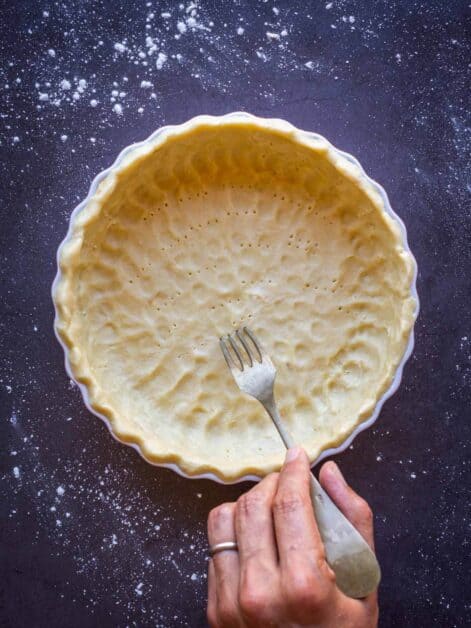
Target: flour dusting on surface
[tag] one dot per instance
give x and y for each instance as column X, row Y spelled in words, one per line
column 79, row 82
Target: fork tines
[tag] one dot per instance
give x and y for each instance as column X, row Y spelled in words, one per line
column 234, row 351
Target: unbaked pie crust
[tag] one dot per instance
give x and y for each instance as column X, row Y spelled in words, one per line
column 214, row 224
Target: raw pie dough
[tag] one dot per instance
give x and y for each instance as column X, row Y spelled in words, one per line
column 216, row 224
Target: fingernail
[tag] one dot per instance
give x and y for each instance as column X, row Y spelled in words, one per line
column 292, row 454
column 337, row 471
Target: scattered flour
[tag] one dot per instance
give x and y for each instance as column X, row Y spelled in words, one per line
column 154, row 45
column 67, row 496
column 161, row 59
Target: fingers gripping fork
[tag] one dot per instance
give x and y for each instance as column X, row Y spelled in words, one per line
column 348, row 554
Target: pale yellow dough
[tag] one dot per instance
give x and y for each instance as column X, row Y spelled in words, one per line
column 217, row 224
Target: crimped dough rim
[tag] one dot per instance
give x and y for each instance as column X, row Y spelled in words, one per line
column 69, row 252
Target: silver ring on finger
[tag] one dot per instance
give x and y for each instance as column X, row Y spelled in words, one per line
column 223, row 547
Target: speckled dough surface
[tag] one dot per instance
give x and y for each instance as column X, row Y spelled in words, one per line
column 216, row 224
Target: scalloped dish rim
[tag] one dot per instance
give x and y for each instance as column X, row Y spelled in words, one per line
column 307, row 137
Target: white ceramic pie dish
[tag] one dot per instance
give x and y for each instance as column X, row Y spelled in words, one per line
column 239, row 116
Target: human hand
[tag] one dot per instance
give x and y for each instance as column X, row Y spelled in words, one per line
column 279, row 576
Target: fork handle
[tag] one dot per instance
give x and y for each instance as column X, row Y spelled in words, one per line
column 348, row 554
column 272, row 409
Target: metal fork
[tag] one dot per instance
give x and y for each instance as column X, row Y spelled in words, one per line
column 348, row 554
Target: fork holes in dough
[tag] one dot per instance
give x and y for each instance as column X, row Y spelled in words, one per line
column 232, row 231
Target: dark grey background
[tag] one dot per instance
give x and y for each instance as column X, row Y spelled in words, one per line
column 91, row 535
